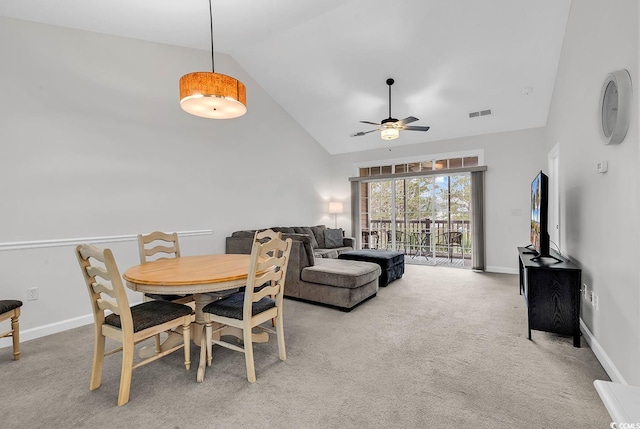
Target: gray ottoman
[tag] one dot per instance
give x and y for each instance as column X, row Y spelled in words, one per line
column 391, row 263
column 341, row 283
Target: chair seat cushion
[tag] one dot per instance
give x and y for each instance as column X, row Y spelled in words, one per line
column 152, row 313
column 9, row 304
column 232, row 306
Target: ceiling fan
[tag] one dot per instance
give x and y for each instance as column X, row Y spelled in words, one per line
column 390, row 127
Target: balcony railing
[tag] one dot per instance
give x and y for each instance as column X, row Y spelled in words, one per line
column 421, row 237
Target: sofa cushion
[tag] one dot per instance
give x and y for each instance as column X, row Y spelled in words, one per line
column 318, row 232
column 333, row 238
column 341, row 273
column 307, row 230
column 283, row 229
column 326, row 253
column 247, row 233
column 331, row 253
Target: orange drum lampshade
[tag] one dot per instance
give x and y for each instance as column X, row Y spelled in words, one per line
column 212, row 95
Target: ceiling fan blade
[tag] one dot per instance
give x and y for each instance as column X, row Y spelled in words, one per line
column 361, row 133
column 407, row 120
column 415, row 128
column 371, row 123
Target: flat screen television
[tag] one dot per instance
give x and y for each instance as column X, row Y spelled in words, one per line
column 540, row 214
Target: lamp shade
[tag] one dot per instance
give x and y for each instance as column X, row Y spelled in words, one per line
column 212, row 95
column 335, row 207
column 389, row 133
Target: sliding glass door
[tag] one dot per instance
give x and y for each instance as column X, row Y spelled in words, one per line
column 427, row 217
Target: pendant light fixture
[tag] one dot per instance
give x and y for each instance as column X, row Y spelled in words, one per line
column 210, row 94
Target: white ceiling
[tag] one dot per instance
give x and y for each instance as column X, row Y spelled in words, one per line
column 326, row 61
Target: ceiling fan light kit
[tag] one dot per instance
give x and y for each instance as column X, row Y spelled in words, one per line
column 212, row 95
column 390, row 127
column 390, row 133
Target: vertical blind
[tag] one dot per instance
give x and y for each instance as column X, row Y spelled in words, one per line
column 477, row 214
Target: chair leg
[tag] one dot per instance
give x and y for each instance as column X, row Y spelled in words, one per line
column 98, row 359
column 248, row 353
column 186, row 337
column 15, row 328
column 282, row 352
column 125, row 373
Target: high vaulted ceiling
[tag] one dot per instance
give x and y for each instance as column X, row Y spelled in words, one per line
column 326, row 61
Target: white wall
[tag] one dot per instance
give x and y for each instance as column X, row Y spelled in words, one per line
column 513, row 159
column 600, row 212
column 94, row 143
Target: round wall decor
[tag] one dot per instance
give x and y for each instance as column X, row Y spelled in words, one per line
column 615, row 107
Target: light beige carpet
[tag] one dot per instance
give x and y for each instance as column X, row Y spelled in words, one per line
column 440, row 348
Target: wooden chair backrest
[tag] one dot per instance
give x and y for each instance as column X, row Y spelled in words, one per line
column 271, row 255
column 170, row 246
column 104, row 285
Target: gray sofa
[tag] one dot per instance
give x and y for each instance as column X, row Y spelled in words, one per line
column 314, row 272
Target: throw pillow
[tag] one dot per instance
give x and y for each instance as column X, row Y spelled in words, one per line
column 333, row 238
column 318, row 231
column 307, row 230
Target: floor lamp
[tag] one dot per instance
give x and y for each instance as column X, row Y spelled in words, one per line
column 335, row 207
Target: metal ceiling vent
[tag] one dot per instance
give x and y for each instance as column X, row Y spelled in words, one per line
column 480, row 113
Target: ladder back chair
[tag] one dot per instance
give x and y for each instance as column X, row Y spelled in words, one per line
column 10, row 309
column 261, row 300
column 128, row 325
column 161, row 245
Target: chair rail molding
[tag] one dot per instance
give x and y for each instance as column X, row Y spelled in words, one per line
column 64, row 242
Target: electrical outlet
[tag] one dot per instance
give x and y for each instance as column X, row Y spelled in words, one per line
column 32, row 294
column 594, row 300
column 591, row 297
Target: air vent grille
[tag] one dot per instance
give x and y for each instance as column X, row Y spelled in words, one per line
column 486, row 112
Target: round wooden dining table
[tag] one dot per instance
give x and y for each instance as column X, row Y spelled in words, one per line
column 198, row 275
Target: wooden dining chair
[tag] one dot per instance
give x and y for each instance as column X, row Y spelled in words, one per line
column 10, row 309
column 254, row 306
column 160, row 245
column 128, row 325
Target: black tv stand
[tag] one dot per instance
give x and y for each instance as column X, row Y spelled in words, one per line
column 551, row 292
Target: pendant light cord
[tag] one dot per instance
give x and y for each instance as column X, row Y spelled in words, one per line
column 213, row 69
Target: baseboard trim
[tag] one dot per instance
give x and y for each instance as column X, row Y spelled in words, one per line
column 601, row 355
column 501, row 270
column 52, row 328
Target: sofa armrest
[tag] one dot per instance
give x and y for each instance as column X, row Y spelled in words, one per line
column 306, row 244
column 349, row 242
